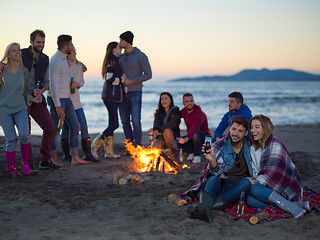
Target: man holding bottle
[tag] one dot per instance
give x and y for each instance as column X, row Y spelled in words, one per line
column 38, row 65
column 61, row 107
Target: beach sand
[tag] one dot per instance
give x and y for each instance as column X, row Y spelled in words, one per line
column 80, row 202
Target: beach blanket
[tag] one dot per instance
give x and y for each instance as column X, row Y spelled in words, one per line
column 274, row 213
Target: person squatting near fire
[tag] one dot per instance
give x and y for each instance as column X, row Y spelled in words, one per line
column 166, row 123
column 197, row 128
column 77, row 81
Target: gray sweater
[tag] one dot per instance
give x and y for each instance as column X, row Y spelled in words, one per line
column 14, row 95
column 136, row 66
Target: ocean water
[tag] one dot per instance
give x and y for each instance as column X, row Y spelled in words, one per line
column 284, row 102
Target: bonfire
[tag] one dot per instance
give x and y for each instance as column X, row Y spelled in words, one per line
column 147, row 159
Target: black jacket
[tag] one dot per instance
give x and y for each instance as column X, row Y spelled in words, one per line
column 40, row 67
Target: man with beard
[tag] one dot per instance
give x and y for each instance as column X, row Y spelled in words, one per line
column 197, row 128
column 236, row 108
column 225, row 173
column 61, row 107
column 38, row 65
column 135, row 65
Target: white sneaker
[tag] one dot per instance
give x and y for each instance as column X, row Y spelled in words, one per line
column 190, row 157
column 196, row 159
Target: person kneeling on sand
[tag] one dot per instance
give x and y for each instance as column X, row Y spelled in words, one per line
column 275, row 179
column 166, row 123
column 225, row 173
column 197, row 128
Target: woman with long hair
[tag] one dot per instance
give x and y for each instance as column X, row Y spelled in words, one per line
column 14, row 98
column 166, row 123
column 111, row 94
column 77, row 81
column 275, row 180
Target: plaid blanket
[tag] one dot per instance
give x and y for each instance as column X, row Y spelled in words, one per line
column 277, row 171
column 274, row 213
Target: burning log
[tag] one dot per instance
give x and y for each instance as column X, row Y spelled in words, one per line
column 175, row 200
column 260, row 217
column 147, row 159
column 170, row 161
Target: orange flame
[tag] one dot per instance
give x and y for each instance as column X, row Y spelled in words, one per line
column 185, row 166
column 148, row 159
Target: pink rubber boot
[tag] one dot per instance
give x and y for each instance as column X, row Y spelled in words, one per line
column 11, row 162
column 25, row 149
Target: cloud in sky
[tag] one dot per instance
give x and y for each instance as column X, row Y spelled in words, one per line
column 181, row 37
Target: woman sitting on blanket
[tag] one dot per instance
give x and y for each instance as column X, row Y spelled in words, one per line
column 166, row 123
column 275, row 179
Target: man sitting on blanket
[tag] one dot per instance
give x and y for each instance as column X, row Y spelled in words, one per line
column 225, row 173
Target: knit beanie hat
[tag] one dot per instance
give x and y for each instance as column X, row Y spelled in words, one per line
column 127, row 36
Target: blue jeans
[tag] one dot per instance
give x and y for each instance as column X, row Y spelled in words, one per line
column 112, row 108
column 194, row 145
column 230, row 191
column 131, row 107
column 259, row 196
column 7, row 122
column 66, row 130
column 72, row 121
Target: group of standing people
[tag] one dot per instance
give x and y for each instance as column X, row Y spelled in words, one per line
column 27, row 73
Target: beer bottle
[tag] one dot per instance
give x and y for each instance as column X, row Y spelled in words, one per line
column 72, row 90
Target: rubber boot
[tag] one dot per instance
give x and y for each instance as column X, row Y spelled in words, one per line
column 108, row 148
column 11, row 162
column 65, row 146
column 219, row 203
column 286, row 205
column 304, row 205
column 85, row 143
column 96, row 144
column 25, row 150
column 202, row 209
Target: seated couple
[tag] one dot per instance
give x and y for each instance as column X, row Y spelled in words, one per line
column 167, row 131
column 263, row 171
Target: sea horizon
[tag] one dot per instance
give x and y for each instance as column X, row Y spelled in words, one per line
column 285, row 102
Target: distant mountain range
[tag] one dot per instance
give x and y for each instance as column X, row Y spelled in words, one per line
column 259, row 75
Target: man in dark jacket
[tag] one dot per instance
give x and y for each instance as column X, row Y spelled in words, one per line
column 38, row 65
column 236, row 108
column 197, row 128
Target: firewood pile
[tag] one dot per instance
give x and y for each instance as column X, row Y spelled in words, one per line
column 129, row 178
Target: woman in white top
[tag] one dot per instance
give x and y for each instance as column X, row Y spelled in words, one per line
column 76, row 82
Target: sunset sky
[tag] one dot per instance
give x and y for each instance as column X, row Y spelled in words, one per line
column 182, row 38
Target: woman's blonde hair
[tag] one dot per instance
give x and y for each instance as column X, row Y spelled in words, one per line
column 267, row 130
column 6, row 58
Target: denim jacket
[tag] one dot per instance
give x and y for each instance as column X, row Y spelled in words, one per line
column 226, row 156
